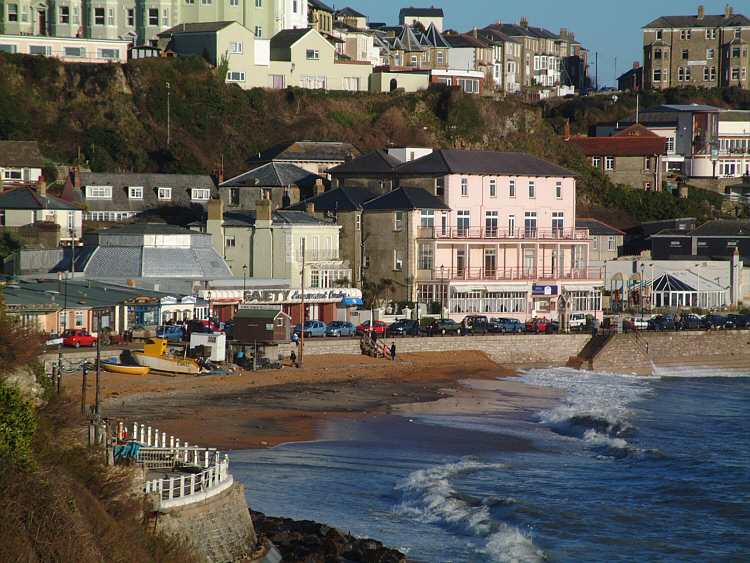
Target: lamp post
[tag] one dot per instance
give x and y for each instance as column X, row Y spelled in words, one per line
column 208, row 296
column 643, row 290
column 442, row 293
column 169, row 133
column 244, row 281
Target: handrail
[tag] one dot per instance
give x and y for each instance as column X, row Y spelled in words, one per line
column 464, row 233
column 481, row 273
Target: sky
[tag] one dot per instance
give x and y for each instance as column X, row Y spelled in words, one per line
column 610, row 27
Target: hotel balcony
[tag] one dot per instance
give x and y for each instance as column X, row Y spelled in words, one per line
column 494, row 234
column 509, row 274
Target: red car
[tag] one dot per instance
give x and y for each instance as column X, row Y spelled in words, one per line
column 378, row 328
column 78, row 337
column 539, row 326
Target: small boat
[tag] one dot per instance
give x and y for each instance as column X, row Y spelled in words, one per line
column 155, row 357
column 122, row 368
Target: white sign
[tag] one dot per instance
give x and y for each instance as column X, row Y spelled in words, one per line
column 697, row 63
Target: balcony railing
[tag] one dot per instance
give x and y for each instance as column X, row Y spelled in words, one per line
column 508, row 274
column 317, row 255
column 491, row 233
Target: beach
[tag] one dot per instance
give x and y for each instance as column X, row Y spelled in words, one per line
column 267, row 408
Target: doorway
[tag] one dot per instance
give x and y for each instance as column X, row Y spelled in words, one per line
column 42, row 19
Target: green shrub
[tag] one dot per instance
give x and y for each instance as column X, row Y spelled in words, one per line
column 17, row 425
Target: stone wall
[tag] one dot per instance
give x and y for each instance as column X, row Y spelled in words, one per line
column 645, row 353
column 220, row 527
column 554, row 349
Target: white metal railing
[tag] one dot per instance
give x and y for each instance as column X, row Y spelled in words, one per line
column 158, row 451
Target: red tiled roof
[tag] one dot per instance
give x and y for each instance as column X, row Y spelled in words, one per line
column 620, row 146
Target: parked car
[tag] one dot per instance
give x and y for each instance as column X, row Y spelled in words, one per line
column 577, row 321
column 690, row 322
column 553, row 327
column 202, row 325
column 536, row 325
column 475, row 324
column 739, row 321
column 312, row 328
column 403, row 327
column 379, row 328
column 78, row 337
column 662, row 322
column 443, row 327
column 639, row 323
column 715, row 321
column 505, row 325
column 340, row 328
column 173, row 333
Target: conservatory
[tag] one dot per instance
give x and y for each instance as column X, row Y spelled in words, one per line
column 669, row 292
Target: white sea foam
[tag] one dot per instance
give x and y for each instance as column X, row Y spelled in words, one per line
column 701, row 372
column 429, row 496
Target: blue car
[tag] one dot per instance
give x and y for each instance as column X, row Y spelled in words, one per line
column 312, row 328
column 506, row 325
column 340, row 328
column 173, row 333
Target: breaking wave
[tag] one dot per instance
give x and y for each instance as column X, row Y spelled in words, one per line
column 429, row 496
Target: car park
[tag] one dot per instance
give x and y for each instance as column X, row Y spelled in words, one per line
column 404, row 327
column 475, row 324
column 443, row 327
column 378, row 327
column 340, row 328
column 506, row 325
column 78, row 337
column 312, row 329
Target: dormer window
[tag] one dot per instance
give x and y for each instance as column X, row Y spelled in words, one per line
column 135, row 192
column 200, row 194
column 98, row 192
column 164, row 194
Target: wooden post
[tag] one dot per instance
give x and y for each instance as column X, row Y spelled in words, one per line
column 84, row 373
column 301, row 354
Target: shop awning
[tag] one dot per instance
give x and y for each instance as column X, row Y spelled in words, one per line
column 352, row 301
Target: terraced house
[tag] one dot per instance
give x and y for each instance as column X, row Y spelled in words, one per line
column 697, row 50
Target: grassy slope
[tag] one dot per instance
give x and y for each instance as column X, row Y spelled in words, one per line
column 116, row 117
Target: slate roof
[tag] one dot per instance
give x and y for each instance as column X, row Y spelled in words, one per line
column 181, row 185
column 351, row 12
column 666, row 108
column 272, row 175
column 278, row 217
column 453, row 161
column 29, row 198
column 464, row 40
column 318, row 5
column 131, row 229
column 493, row 34
column 21, row 154
column 202, row 27
column 339, row 199
column 377, row 162
column 434, row 38
column 322, row 151
column 409, row 40
column 516, row 30
column 421, row 12
column 597, row 228
column 668, row 282
column 619, row 145
column 723, row 228
column 405, row 199
column 285, row 38
column 720, row 20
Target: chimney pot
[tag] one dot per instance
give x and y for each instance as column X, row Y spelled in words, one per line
column 263, row 210
column 701, row 12
column 310, row 208
column 728, row 11
column 41, row 186
column 636, row 64
column 215, row 210
column 524, row 21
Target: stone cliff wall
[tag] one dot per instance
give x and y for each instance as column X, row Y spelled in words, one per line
column 219, row 528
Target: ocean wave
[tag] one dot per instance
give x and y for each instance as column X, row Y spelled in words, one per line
column 700, row 372
column 429, row 496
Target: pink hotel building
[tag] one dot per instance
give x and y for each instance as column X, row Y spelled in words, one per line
column 508, row 246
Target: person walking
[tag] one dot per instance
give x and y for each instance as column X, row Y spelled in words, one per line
column 393, row 351
column 594, row 326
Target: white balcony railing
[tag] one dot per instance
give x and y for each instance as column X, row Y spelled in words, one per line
column 496, row 233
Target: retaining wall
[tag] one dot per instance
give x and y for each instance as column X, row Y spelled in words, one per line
column 553, row 349
column 219, row 528
column 645, row 352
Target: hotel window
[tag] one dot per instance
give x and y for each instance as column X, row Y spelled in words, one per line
column 685, row 34
column 710, row 34
column 164, row 193
column 98, row 192
column 738, row 33
column 609, row 162
column 153, row 16
column 235, row 47
column 414, row 60
column 439, row 58
column 647, row 163
column 235, row 76
column 111, row 54
column 610, row 243
column 493, row 188
column 234, row 196
column 398, row 220
column 190, row 2
column 595, row 243
column 258, row 31
column 64, row 14
column 78, row 52
column 558, row 221
column 709, row 54
column 131, row 17
column 439, row 186
column 315, row 278
column 735, row 74
column 234, row 3
column 427, row 218
column 294, row 6
column 670, row 145
column 735, row 52
column 596, row 161
column 200, row 194
column 490, row 223
column 659, row 34
column 532, row 190
column 706, row 74
column 529, row 223
column 207, row 2
column 558, row 189
column 13, row 174
column 76, row 18
column 110, row 16
column 685, row 54
column 511, row 225
column 398, row 260
column 135, row 192
column 258, row 3
column 464, row 187
column 79, row 318
column 425, row 257
column 358, row 222
column 512, row 188
column 312, row 54
column 230, row 242
column 165, row 17
column 44, row 50
column 657, row 75
column 99, row 16
column 12, row 12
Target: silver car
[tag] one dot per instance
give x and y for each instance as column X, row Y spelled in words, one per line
column 340, row 328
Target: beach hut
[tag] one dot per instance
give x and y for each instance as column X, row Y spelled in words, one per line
column 267, row 325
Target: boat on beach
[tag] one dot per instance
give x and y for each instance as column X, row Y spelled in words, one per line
column 114, row 367
column 155, row 357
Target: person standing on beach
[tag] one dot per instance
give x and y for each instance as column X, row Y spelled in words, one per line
column 393, row 350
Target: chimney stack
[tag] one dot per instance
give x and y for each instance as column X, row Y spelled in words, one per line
column 701, row 12
column 319, row 187
column 636, row 65
column 524, row 22
column 310, row 208
column 41, row 186
column 77, row 177
column 728, row 11
column 215, row 210
column 475, row 33
column 263, row 210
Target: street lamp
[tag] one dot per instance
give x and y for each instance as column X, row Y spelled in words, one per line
column 643, row 289
column 244, row 281
column 208, row 296
column 442, row 293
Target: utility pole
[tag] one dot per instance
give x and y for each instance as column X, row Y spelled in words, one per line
column 84, row 380
column 169, row 93
column 302, row 305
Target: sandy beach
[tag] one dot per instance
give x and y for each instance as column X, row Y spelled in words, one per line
column 266, row 408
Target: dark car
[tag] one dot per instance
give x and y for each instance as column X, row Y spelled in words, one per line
column 443, row 327
column 505, row 325
column 662, row 322
column 475, row 324
column 690, row 322
column 403, row 327
column 739, row 321
column 715, row 321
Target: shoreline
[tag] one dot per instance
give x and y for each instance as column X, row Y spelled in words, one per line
column 268, row 408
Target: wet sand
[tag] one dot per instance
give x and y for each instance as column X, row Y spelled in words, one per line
column 265, row 408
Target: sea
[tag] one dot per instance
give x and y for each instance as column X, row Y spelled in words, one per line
column 619, row 468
